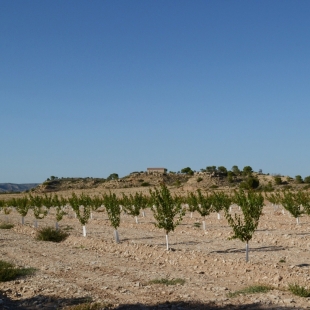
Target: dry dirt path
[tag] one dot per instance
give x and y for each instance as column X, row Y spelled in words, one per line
column 119, row 274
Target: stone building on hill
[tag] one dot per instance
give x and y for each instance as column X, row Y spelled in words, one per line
column 156, row 170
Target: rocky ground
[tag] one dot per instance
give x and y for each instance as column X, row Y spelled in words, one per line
column 119, row 275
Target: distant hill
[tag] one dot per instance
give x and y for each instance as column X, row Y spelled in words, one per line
column 10, row 187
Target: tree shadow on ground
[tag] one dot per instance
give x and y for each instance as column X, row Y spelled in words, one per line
column 179, row 305
column 50, row 303
column 261, row 249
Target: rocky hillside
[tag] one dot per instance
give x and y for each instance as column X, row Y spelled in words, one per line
column 176, row 180
column 10, row 187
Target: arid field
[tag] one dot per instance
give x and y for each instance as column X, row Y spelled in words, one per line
column 208, row 268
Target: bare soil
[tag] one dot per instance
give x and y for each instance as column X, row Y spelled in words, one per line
column 119, row 275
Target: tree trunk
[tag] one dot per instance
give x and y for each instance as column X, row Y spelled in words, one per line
column 167, row 241
column 57, row 226
column 204, row 225
column 116, row 236
column 84, row 231
column 23, row 220
column 218, row 216
column 136, row 219
column 247, row 251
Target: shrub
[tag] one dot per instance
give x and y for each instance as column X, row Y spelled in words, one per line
column 199, row 179
column 51, row 234
column 167, row 281
column 6, row 226
column 8, row 272
column 307, row 180
column 251, row 290
column 145, row 184
column 299, row 290
column 213, row 186
column 278, row 180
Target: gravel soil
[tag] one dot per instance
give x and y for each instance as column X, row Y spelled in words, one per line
column 95, row 268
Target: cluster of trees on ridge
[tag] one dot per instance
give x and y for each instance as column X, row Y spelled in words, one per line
column 168, row 210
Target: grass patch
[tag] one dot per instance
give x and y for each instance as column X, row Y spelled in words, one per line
column 168, row 282
column 8, row 272
column 282, row 261
column 51, row 234
column 6, row 226
column 197, row 224
column 299, row 290
column 254, row 289
column 89, row 306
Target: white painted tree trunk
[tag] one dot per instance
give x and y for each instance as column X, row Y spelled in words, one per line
column 91, row 215
column 247, row 252
column 283, row 211
column 136, row 220
column 116, row 236
column 35, row 224
column 191, row 215
column 297, row 220
column 84, row 231
column 230, row 209
column 218, row 216
column 56, row 226
column 143, row 213
column 23, row 220
column 204, row 225
column 167, row 242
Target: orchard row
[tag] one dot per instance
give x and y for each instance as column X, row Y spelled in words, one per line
column 168, row 210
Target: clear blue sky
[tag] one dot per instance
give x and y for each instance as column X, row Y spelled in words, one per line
column 88, row 88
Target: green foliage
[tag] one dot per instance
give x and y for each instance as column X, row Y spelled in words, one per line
column 235, row 170
column 220, row 201
column 81, row 206
column 187, row 170
column 36, row 203
column 8, row 272
column 113, row 209
column 204, row 204
column 167, row 282
column 299, row 290
column 145, row 184
column 166, row 209
column 58, row 204
column 133, row 204
column 22, row 205
column 222, row 170
column 247, row 170
column 254, row 289
column 277, row 180
column 230, row 176
column 112, row 176
column 51, row 234
column 298, row 179
column 307, row 179
column 199, row 179
column 213, row 186
column 6, row 226
column 274, row 198
column 251, row 204
column 249, row 183
column 211, row 169
column 291, row 203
